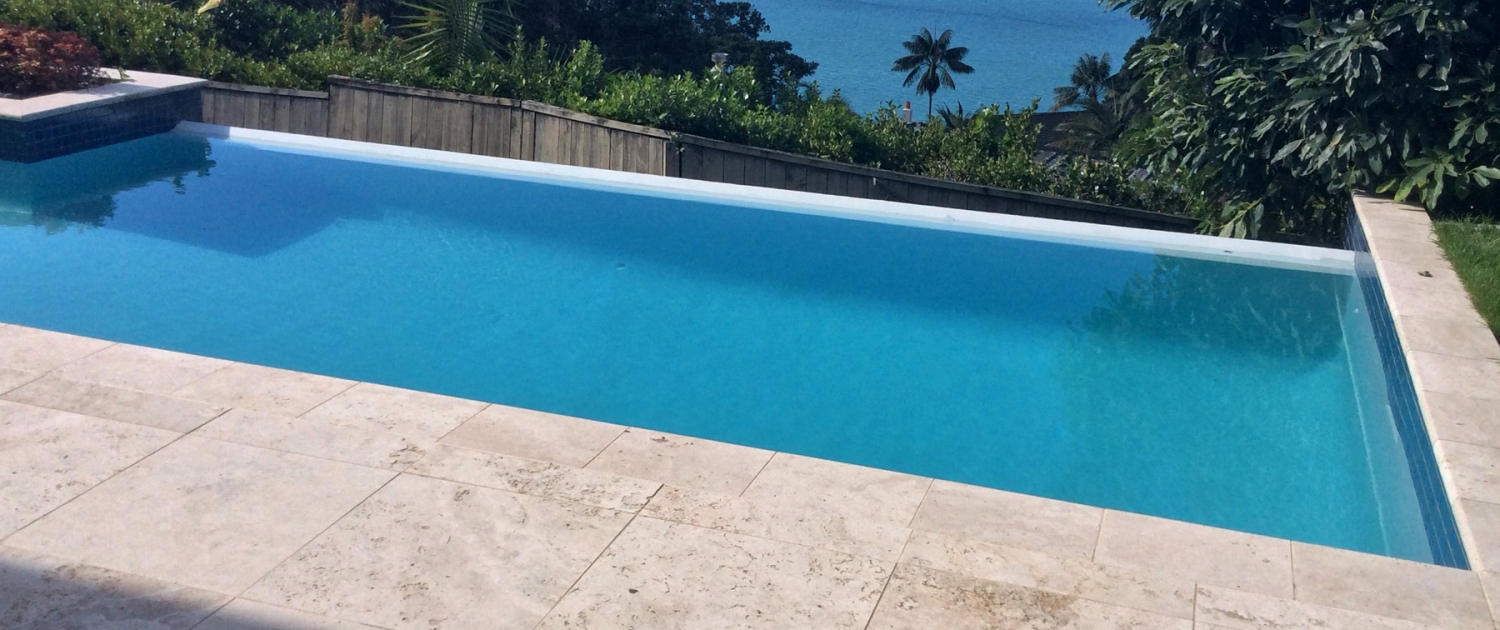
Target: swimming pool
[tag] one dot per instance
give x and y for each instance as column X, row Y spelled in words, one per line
column 1230, row 384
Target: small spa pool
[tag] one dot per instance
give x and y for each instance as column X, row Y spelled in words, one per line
column 1158, row 374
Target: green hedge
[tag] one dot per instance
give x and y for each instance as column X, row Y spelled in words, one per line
column 261, row 42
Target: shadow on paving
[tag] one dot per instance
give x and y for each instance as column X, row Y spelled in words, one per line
column 39, row 592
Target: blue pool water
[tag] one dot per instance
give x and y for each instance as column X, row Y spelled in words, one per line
column 1020, row 49
column 1240, row 396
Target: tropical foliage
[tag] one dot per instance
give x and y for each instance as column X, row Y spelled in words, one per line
column 1088, row 83
column 1284, row 108
column 931, row 63
column 450, row 32
column 989, row 146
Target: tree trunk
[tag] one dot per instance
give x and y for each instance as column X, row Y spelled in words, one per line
column 929, row 105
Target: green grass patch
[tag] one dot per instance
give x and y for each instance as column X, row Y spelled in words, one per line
column 1474, row 248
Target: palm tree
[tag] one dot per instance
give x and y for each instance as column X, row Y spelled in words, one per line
column 450, row 32
column 1101, row 124
column 1089, row 82
column 931, row 63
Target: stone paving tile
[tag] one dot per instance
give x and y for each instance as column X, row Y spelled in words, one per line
column 11, row 379
column 243, row 614
column 828, row 487
column 924, row 599
column 125, row 405
column 1455, row 375
column 1475, row 470
column 311, row 437
column 415, row 415
column 1416, row 253
column 1433, row 305
column 670, row 575
column 1468, row 339
column 141, row 369
column 1380, row 212
column 1464, row 419
column 535, row 435
column 543, row 479
column 1438, row 278
column 265, row 389
column 1065, row 576
column 203, row 513
column 1010, row 519
column 1484, row 525
column 1491, row 582
column 41, row 592
column 33, row 350
column 1238, row 610
column 1207, row 555
column 48, row 457
column 1408, row 231
column 682, row 461
column 778, row 521
column 1388, row 587
column 425, row 553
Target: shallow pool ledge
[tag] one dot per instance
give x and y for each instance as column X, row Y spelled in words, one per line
column 1455, row 366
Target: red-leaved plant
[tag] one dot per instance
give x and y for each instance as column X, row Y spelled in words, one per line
column 35, row 61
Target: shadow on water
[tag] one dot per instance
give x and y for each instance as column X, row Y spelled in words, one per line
column 79, row 190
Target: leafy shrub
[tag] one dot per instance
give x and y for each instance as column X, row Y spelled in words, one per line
column 267, row 42
column 1284, row 108
column 37, row 61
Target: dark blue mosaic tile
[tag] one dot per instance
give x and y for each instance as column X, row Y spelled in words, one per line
column 55, row 136
column 1432, row 498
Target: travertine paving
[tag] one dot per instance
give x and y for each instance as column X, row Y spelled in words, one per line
column 150, row 489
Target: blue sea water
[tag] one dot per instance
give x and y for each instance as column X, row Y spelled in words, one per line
column 1020, row 49
column 1227, row 394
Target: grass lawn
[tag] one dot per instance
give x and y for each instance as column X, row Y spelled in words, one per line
column 1474, row 248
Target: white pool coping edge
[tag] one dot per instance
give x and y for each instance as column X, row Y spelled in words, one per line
column 136, row 85
column 1031, row 228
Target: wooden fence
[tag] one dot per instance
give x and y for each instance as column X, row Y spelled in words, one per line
column 525, row 130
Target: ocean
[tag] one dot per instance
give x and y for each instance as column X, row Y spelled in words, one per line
column 1020, row 49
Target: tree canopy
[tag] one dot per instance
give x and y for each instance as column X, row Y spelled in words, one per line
column 1283, row 107
column 931, row 62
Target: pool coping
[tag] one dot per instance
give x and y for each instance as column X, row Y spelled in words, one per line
column 1265, row 580
column 1270, row 579
column 1455, row 366
column 136, row 85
